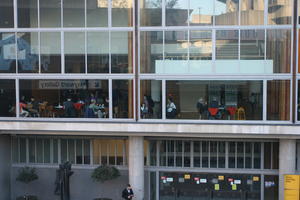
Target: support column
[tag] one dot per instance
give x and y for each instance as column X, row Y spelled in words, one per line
column 5, row 166
column 287, row 162
column 136, row 166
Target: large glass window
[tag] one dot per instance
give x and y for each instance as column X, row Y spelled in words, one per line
column 214, row 100
column 78, row 155
column 252, row 12
column 64, row 98
column 151, row 107
column 28, row 50
column 122, row 13
column 201, row 12
column 278, row 101
column 177, row 12
column 6, row 13
column 74, row 13
column 27, row 13
column 279, row 50
column 50, row 13
column 280, row 12
column 74, row 52
column 121, row 52
column 227, row 12
column 151, row 12
column 151, row 51
column 96, row 13
column 97, row 52
column 7, row 53
column 122, row 95
column 50, row 52
column 7, row 98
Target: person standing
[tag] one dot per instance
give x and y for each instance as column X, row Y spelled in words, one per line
column 127, row 193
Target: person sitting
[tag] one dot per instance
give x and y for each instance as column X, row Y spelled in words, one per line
column 23, row 110
column 171, row 109
column 69, row 108
column 33, row 108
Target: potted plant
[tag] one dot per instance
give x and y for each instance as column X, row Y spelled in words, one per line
column 105, row 173
column 27, row 175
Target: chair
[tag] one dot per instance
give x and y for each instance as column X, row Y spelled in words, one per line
column 42, row 109
column 213, row 112
column 241, row 115
column 231, row 110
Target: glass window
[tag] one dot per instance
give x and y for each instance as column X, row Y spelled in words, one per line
column 121, row 52
column 6, row 14
column 201, row 12
column 151, row 12
column 177, row 12
column 97, row 13
column 150, row 98
column 79, row 148
column 280, row 12
column 71, row 151
column 278, row 100
column 275, row 155
column 39, row 150
column 151, row 51
column 64, row 150
column 213, row 150
column 28, row 50
column 122, row 13
column 7, row 53
column 152, row 149
column 179, row 153
column 267, row 155
column 187, row 154
column 50, row 13
column 27, row 13
column 74, row 52
column 64, row 98
column 271, row 187
column 257, row 155
column 31, row 150
column 122, row 95
column 7, row 98
column 46, row 150
column 227, row 12
column 205, row 152
column 221, row 154
column 232, row 155
column 74, row 14
column 15, row 149
column 23, row 152
column 97, row 52
column 50, row 52
column 197, row 154
column 55, row 150
column 170, row 153
column 240, row 154
column 248, row 155
column 252, row 12
column 226, row 100
column 176, row 53
column 279, row 51
column 162, row 153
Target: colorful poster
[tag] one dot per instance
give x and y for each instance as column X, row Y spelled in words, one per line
column 221, row 178
column 255, row 178
column 217, row 187
column 234, row 187
column 203, row 180
column 187, row 176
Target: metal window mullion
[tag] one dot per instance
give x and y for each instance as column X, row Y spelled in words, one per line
column 262, row 155
column 75, row 151
column 163, row 99
column 43, row 146
column 17, row 97
column 265, row 96
column 252, row 155
column 265, row 53
column 19, row 150
column 27, row 150
column 218, row 143
column 124, row 152
column 214, row 51
column 109, row 54
column 62, row 13
column 116, row 153
column 188, row 49
column 163, row 7
column 208, row 142
column 68, row 159
column 100, row 153
column 271, row 164
column 39, row 51
column 85, row 52
column 239, row 49
column 15, row 3
column 201, row 155
column 110, row 105
column 167, row 156
column 265, row 12
column 51, row 151
column 226, row 154
column 35, row 150
column 82, row 151
column 239, row 14
column 91, row 152
column 109, row 13
column 164, row 52
column 38, row 13
column 244, row 147
column 262, row 186
column 59, row 150
column 192, row 153
column 107, row 153
column 16, row 51
column 235, row 147
column 157, row 153
column 182, row 153
column 62, row 46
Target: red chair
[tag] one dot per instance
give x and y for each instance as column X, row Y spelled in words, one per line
column 213, row 111
column 231, row 110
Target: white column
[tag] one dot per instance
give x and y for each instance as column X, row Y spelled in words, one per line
column 287, row 162
column 136, row 166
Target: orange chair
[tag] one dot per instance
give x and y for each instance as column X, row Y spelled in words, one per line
column 213, row 111
column 231, row 110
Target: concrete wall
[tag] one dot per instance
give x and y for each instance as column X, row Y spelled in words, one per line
column 82, row 187
column 5, row 164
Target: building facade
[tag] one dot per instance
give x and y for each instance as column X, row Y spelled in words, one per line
column 189, row 99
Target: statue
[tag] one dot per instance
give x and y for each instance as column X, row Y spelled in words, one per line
column 62, row 183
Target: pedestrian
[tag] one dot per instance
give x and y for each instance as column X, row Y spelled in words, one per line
column 127, row 193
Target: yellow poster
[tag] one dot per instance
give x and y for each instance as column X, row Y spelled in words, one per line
column 221, row 178
column 187, row 176
column 291, row 194
column 217, row 187
column 255, row 178
column 291, row 182
column 234, row 187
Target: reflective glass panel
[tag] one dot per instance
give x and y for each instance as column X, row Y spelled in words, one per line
column 252, row 12
column 201, row 12
column 214, row 100
column 280, row 12
column 279, row 50
column 96, row 13
column 6, row 13
column 50, row 13
column 150, row 98
column 50, row 52
column 122, row 13
column 177, row 12
column 97, row 52
column 121, row 52
column 151, row 12
column 28, row 50
column 27, row 13
column 227, row 12
column 74, row 52
column 278, row 100
column 64, row 98
column 122, row 95
column 7, row 53
column 74, row 14
column 7, row 98
column 151, row 51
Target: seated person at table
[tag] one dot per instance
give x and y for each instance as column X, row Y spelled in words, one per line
column 214, row 103
column 94, row 110
column 33, row 107
column 69, row 108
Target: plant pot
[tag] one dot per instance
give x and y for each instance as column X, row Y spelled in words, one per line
column 27, row 197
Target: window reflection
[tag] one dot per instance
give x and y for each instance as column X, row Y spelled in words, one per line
column 252, row 12
column 122, row 95
column 227, row 44
column 27, row 13
column 7, row 53
column 74, row 13
column 64, row 98
column 201, row 12
column 74, row 52
column 226, row 12
column 122, row 15
column 150, row 99
column 151, row 12
column 177, row 13
column 214, row 100
column 96, row 13
column 50, row 13
column 280, row 12
column 6, row 14
column 7, row 98
column 50, row 52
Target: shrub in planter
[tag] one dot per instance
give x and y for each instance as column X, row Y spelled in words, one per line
column 105, row 173
column 27, row 175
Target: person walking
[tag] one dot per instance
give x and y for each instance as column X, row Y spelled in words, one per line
column 127, row 193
